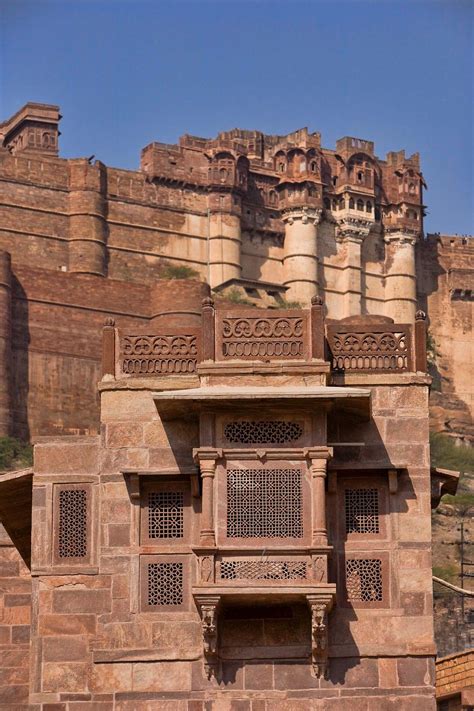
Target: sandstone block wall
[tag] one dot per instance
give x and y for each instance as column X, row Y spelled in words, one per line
column 92, row 642
column 15, row 616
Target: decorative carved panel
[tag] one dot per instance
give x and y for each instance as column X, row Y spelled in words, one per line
column 165, row 514
column 72, row 524
column 164, row 583
column 264, row 503
column 150, row 355
column 263, row 431
column 385, row 350
column 364, row 580
column 362, row 510
column 263, row 337
column 263, row 570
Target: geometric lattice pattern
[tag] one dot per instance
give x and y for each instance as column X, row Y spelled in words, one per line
column 72, row 529
column 362, row 510
column 263, row 570
column 165, row 514
column 264, row 503
column 262, row 432
column 165, row 584
column 364, row 579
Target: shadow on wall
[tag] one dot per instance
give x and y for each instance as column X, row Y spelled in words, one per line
column 20, row 361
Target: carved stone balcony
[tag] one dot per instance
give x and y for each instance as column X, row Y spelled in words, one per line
column 249, row 339
column 227, row 577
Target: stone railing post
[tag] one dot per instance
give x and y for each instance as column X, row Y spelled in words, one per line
column 208, row 330
column 318, row 336
column 108, row 347
column 420, row 342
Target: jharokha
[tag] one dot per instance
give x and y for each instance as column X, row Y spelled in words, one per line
column 229, row 507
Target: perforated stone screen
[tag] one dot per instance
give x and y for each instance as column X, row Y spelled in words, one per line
column 165, row 584
column 263, row 431
column 263, row 570
column 165, row 514
column 362, row 510
column 264, row 503
column 364, row 580
column 72, row 523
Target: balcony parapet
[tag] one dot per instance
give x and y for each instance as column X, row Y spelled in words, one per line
column 264, row 340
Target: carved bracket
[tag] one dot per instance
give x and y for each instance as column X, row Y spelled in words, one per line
column 208, row 609
column 320, row 606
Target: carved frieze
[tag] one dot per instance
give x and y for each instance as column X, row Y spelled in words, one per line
column 377, row 350
column 146, row 355
column 263, row 337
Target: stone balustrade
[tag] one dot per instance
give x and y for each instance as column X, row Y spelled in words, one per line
column 359, row 344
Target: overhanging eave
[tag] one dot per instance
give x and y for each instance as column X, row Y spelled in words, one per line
column 15, row 509
column 182, row 403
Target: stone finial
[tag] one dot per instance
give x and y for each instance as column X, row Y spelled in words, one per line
column 316, row 301
column 420, row 315
column 109, row 322
column 207, row 302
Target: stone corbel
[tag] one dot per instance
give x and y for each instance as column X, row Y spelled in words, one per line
column 208, row 609
column 320, row 606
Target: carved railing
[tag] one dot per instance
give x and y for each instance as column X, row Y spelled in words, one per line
column 262, row 335
column 267, row 335
column 148, row 354
column 382, row 348
column 242, row 570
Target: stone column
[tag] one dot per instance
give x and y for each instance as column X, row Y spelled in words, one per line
column 224, row 247
column 351, row 233
column 87, row 222
column 318, row 473
column 300, row 257
column 208, row 470
column 5, row 344
column 400, row 277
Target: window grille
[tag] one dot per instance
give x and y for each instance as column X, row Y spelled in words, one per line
column 72, row 523
column 165, row 514
column 263, row 570
column 263, row 432
column 165, row 584
column 362, row 510
column 364, row 580
column 264, row 503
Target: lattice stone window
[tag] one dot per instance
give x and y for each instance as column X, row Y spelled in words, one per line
column 72, row 528
column 362, row 510
column 165, row 514
column 364, row 580
column 263, row 431
column 263, row 570
column 165, row 584
column 264, row 503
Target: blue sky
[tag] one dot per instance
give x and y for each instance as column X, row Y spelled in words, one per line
column 126, row 72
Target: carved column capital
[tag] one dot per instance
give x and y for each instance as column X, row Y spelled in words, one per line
column 352, row 229
column 320, row 606
column 400, row 237
column 307, row 215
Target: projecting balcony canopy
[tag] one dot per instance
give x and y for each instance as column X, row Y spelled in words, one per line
column 15, row 509
column 179, row 403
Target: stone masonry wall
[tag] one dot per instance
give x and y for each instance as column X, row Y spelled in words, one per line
column 15, row 611
column 93, row 645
